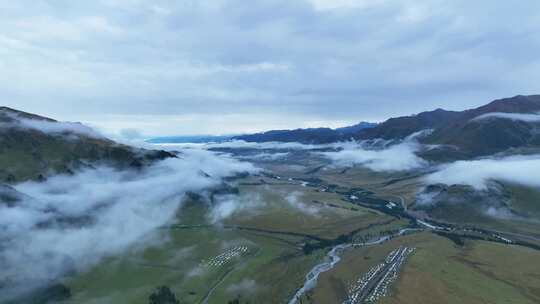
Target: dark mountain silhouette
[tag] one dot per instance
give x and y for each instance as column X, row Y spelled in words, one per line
column 458, row 132
column 401, row 127
column 487, row 136
column 308, row 136
column 34, row 153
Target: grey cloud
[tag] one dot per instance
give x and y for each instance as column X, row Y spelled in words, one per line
column 288, row 58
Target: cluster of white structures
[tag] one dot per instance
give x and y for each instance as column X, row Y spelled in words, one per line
column 358, row 287
column 502, row 239
column 390, row 205
column 467, row 230
column 374, row 284
column 226, row 256
column 395, row 260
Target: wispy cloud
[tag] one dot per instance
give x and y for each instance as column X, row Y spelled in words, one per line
column 377, row 155
column 266, row 156
column 244, row 287
column 47, row 126
column 511, row 116
column 521, row 170
column 294, row 199
column 58, row 128
column 265, row 145
column 229, row 205
column 71, row 222
column 398, row 157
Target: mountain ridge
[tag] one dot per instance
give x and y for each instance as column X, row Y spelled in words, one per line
column 464, row 136
column 308, row 135
column 33, row 147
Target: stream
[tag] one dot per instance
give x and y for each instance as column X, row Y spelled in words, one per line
column 332, row 258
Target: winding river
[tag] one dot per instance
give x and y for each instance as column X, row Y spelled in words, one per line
column 332, row 258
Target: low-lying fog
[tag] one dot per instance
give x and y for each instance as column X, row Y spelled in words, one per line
column 69, row 223
column 523, row 170
column 383, row 156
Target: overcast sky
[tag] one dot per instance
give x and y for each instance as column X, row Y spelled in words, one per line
column 220, row 66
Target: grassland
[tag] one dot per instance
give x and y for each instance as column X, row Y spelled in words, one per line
column 441, row 272
column 285, row 215
column 480, row 272
column 272, row 270
column 273, row 264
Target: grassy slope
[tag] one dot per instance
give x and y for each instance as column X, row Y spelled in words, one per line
column 30, row 154
column 480, row 272
column 327, row 222
column 440, row 272
column 525, row 200
column 276, row 262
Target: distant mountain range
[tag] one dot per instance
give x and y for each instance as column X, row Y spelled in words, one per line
column 460, row 134
column 308, row 136
column 188, row 139
column 33, row 147
column 495, row 133
column 319, row 135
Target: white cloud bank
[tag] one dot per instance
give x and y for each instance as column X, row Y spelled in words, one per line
column 273, row 145
column 511, row 116
column 269, row 145
column 228, row 205
column 377, row 155
column 266, row 156
column 399, row 157
column 58, row 128
column 246, row 286
column 294, row 199
column 49, row 127
column 521, row 170
column 71, row 222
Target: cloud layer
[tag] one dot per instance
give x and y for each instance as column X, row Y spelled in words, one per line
column 229, row 205
column 294, row 199
column 511, row 116
column 69, row 223
column 398, row 157
column 377, row 155
column 521, row 170
column 56, row 128
column 262, row 65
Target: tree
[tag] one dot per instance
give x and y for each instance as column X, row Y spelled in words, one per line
column 163, row 295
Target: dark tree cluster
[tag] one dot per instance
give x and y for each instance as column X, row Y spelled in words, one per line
column 163, row 295
column 237, row 301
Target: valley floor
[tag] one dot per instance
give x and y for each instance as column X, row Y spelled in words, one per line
column 352, row 227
